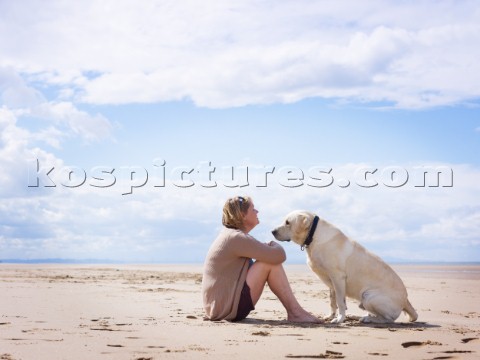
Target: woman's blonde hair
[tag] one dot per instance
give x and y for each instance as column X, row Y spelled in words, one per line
column 234, row 210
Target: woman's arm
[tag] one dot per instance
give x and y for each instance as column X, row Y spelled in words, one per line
column 248, row 246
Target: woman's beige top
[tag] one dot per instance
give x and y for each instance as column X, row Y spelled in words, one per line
column 225, row 270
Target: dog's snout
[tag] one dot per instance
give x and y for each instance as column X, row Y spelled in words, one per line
column 277, row 234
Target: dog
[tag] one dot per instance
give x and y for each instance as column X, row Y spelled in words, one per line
column 348, row 269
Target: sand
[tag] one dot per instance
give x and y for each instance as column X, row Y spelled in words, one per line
column 154, row 312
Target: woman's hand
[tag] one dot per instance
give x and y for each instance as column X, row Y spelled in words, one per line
column 274, row 244
column 278, row 249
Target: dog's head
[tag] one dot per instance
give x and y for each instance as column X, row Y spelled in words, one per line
column 295, row 227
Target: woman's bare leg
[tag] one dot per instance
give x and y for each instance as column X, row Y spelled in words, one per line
column 261, row 273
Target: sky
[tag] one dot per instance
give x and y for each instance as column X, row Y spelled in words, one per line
column 125, row 126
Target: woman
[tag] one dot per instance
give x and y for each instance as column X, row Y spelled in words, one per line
column 232, row 283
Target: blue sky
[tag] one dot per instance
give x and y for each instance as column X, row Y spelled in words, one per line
column 280, row 86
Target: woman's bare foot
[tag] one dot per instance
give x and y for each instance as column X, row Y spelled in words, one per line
column 302, row 316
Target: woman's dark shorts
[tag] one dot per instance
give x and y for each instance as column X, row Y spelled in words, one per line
column 245, row 305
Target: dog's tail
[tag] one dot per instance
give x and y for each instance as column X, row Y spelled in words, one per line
column 410, row 311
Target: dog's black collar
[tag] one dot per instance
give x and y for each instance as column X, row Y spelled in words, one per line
column 309, row 238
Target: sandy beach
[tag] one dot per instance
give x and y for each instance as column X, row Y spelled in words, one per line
column 155, row 312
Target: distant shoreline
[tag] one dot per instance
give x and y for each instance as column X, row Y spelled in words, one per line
column 117, row 262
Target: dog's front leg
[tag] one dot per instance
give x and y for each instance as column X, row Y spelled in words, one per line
column 333, row 304
column 339, row 291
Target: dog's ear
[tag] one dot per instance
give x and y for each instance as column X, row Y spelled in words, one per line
column 305, row 222
column 302, row 224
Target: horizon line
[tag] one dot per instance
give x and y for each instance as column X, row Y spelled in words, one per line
column 153, row 262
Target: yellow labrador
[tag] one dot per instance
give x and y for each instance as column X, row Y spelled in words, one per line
column 348, row 269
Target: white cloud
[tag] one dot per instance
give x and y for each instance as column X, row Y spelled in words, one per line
column 89, row 127
column 14, row 92
column 16, row 151
column 20, row 99
column 233, row 53
column 383, row 64
column 457, row 228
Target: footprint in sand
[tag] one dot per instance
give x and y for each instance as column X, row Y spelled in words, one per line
column 378, row 354
column 261, row 333
column 419, row 343
column 449, row 352
column 467, row 340
column 449, row 356
column 328, row 355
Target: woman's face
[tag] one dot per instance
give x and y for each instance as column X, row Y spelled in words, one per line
column 250, row 219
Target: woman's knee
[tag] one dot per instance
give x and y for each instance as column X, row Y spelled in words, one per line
column 262, row 265
column 266, row 268
column 259, row 271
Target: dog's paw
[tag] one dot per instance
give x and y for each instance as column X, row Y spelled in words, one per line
column 338, row 320
column 330, row 317
column 369, row 319
column 366, row 319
